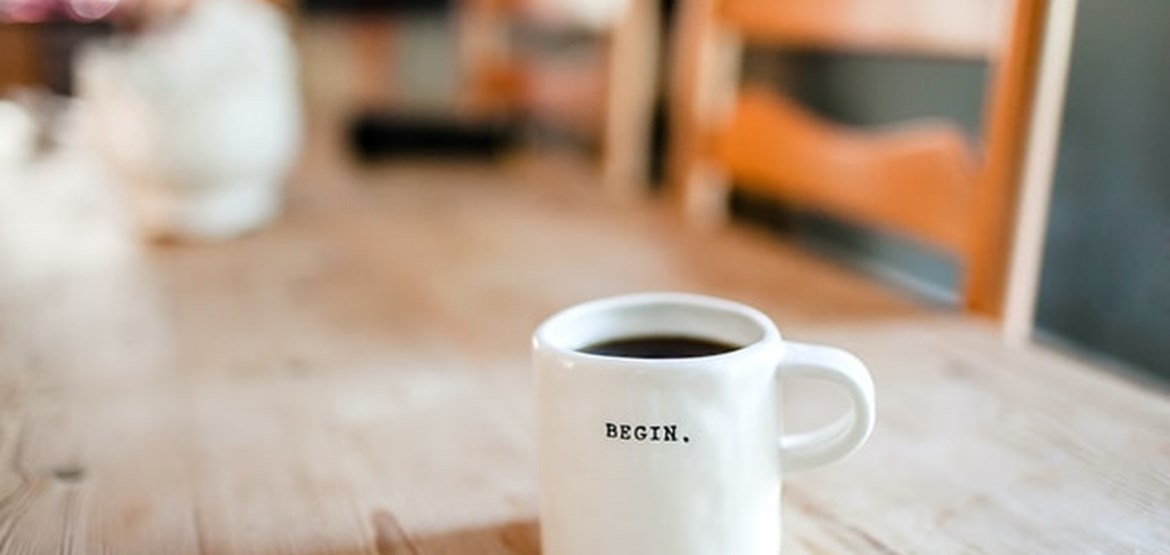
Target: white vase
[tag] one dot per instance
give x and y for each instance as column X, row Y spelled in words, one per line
column 200, row 119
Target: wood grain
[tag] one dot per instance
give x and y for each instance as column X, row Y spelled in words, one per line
column 355, row 379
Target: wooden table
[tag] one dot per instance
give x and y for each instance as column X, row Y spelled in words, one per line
column 355, row 380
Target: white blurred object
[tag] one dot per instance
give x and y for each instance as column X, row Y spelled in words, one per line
column 200, row 116
column 18, row 134
column 597, row 14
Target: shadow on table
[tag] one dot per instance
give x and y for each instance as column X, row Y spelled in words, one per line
column 520, row 537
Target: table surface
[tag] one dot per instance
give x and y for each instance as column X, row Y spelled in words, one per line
column 355, row 379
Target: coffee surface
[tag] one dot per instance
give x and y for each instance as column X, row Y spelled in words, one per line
column 659, row 346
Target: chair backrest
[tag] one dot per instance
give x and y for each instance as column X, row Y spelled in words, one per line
column 924, row 179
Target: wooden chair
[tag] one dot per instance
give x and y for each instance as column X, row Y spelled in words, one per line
column 612, row 100
column 924, row 179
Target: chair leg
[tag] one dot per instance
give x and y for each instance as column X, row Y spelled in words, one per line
column 631, row 87
column 484, row 59
column 703, row 83
column 705, row 196
column 373, row 40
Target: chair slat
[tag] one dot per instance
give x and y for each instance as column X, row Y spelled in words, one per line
column 915, row 178
column 950, row 28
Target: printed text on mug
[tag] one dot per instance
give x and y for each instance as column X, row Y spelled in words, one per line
column 638, row 432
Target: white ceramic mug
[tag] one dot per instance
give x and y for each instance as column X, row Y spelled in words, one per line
column 676, row 456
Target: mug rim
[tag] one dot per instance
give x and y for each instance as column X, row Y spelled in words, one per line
column 769, row 335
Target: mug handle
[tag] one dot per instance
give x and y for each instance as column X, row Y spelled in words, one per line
column 832, row 441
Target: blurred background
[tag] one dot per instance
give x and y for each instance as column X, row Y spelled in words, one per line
column 488, row 80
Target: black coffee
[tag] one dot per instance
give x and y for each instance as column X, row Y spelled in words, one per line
column 659, row 346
